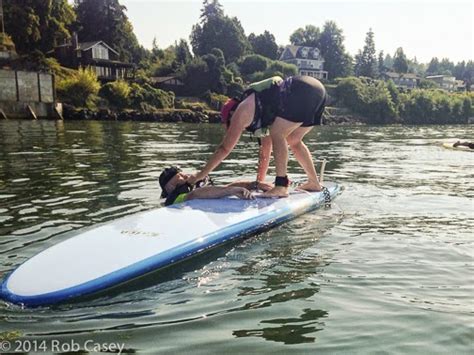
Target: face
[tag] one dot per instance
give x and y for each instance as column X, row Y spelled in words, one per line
column 178, row 179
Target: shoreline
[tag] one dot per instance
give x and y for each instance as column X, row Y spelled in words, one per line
column 333, row 116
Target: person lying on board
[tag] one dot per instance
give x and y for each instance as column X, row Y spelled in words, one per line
column 176, row 189
column 465, row 144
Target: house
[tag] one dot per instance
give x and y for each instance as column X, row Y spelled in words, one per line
column 460, row 85
column 166, row 81
column 402, row 80
column 445, row 82
column 307, row 59
column 97, row 55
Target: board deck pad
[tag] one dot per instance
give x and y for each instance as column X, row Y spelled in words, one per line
column 124, row 249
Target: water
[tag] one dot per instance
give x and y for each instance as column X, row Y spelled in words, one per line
column 387, row 270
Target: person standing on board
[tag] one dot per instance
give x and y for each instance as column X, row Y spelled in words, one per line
column 280, row 112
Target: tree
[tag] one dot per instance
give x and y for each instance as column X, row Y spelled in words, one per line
column 446, row 67
column 459, row 70
column 218, row 31
column 211, row 9
column 433, row 66
column 308, row 36
column 388, row 62
column 366, row 62
column 183, row 54
column 253, row 63
column 337, row 62
column 264, row 44
column 106, row 20
column 380, row 64
column 400, row 63
column 38, row 25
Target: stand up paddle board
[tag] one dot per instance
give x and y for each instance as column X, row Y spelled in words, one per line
column 122, row 250
column 458, row 147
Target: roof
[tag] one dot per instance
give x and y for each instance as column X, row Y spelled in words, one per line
column 163, row 79
column 84, row 46
column 402, row 75
column 439, row 76
column 302, row 52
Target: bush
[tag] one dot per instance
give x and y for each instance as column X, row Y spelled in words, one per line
column 151, row 96
column 79, row 89
column 117, row 93
column 282, row 69
column 253, row 63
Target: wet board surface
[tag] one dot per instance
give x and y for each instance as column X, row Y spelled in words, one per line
column 124, row 249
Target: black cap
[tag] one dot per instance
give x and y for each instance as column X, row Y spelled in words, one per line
column 166, row 176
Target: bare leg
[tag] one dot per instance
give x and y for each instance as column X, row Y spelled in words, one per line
column 264, row 158
column 303, row 155
column 279, row 131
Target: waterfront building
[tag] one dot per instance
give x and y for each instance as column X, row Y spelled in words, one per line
column 445, row 82
column 97, row 55
column 308, row 60
column 403, row 80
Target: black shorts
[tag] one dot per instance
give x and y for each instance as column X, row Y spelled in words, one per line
column 303, row 100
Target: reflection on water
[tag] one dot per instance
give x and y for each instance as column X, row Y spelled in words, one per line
column 388, row 269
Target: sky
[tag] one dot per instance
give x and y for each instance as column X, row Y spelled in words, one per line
column 423, row 28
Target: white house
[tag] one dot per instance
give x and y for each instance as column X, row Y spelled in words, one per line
column 307, row 59
column 446, row 82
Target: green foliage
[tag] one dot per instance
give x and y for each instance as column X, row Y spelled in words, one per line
column 218, row 31
column 38, row 25
column 366, row 62
column 80, row 89
column 264, row 45
column 206, row 73
column 117, row 93
column 215, row 101
column 427, row 84
column 308, row 36
column 145, row 96
column 282, row 69
column 6, row 43
column 182, row 52
column 338, row 63
column 253, row 63
column 400, row 62
column 381, row 102
column 235, row 89
column 106, row 20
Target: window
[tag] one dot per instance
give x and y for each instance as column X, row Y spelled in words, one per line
column 100, row 52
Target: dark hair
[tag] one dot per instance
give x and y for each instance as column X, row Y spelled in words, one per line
column 165, row 178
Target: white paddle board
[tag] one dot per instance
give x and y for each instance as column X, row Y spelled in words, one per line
column 459, row 147
column 122, row 250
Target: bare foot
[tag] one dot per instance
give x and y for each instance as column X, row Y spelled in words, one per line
column 310, row 186
column 277, row 191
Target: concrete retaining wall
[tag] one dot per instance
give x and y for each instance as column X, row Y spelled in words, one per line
column 20, row 89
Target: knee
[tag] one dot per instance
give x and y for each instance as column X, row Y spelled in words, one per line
column 294, row 142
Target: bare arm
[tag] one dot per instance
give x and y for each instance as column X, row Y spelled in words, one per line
column 252, row 185
column 242, row 118
column 219, row 192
